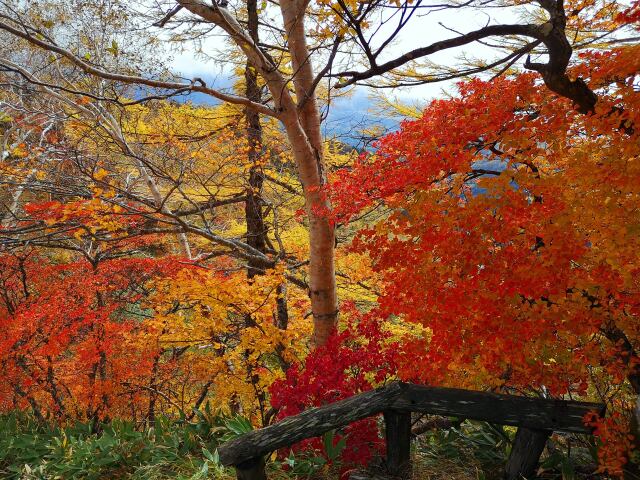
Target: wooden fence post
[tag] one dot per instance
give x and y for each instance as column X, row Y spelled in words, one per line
column 251, row 469
column 398, row 436
column 525, row 453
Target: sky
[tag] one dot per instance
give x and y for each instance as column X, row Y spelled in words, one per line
column 420, row 31
column 350, row 112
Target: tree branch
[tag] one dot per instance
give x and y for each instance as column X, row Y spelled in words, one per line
column 492, row 30
column 195, row 86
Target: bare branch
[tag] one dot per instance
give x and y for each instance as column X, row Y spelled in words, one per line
column 195, row 86
column 492, row 30
column 162, row 22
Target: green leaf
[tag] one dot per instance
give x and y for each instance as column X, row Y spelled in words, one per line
column 568, row 472
column 212, row 457
column 552, row 461
column 239, row 425
column 327, row 441
column 332, row 450
column 290, row 460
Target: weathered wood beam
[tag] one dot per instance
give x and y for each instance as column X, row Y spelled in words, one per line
column 534, row 413
column 310, row 423
column 251, row 470
column 398, row 437
column 525, row 453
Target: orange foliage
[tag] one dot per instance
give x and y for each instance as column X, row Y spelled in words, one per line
column 68, row 346
column 511, row 232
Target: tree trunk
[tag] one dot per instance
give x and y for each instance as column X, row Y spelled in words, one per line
column 256, row 231
column 254, row 215
column 308, row 152
column 301, row 120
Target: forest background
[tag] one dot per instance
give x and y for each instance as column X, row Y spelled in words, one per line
column 175, row 272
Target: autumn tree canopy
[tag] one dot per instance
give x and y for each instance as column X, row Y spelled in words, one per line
column 159, row 253
column 506, row 226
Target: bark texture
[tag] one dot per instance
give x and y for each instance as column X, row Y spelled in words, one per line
column 322, row 279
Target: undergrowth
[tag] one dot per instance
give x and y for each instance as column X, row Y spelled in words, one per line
column 187, row 450
column 180, row 450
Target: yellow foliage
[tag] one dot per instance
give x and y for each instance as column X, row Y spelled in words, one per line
column 229, row 323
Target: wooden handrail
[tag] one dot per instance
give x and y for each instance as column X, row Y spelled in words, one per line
column 536, row 417
column 308, row 424
column 517, row 411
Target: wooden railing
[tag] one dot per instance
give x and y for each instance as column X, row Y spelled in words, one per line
column 536, row 419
